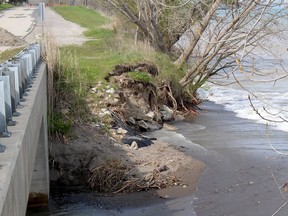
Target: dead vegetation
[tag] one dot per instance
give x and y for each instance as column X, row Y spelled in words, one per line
column 114, row 176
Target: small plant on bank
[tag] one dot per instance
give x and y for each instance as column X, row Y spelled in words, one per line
column 59, row 125
column 140, row 76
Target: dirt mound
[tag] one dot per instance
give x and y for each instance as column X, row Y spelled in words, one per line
column 107, row 166
column 8, row 39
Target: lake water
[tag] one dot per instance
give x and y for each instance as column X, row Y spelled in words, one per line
column 267, row 89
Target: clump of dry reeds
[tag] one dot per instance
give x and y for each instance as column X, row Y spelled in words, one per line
column 109, row 177
column 114, row 176
column 51, row 55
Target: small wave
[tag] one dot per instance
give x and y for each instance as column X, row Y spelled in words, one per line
column 178, row 139
column 265, row 107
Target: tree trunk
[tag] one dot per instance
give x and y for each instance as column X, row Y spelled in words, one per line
column 203, row 25
column 199, row 68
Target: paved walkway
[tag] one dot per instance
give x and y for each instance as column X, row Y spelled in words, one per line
column 19, row 20
column 22, row 22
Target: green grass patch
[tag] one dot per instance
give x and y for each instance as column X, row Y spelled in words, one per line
column 8, row 54
column 85, row 17
column 59, row 124
column 140, row 76
column 5, row 6
column 100, row 33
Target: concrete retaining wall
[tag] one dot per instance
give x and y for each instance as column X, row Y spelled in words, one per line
column 26, row 146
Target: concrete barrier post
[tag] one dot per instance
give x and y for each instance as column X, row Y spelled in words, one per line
column 7, row 97
column 30, row 69
column 2, row 109
column 20, row 64
column 14, row 69
column 11, row 76
column 38, row 53
column 27, row 71
column 23, row 77
column 32, row 52
column 2, row 115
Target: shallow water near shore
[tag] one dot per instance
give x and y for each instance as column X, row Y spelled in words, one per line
column 244, row 174
column 89, row 203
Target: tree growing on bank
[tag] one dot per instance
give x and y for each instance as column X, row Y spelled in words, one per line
column 212, row 35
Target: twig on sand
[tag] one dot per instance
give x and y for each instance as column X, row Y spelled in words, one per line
column 278, row 185
column 285, row 198
column 279, row 209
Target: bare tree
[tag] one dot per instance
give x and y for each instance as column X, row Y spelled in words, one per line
column 212, row 35
column 227, row 35
column 161, row 22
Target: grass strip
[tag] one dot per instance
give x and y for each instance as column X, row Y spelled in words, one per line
column 8, row 54
column 5, row 6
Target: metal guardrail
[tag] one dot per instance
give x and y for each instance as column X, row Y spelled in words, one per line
column 16, row 77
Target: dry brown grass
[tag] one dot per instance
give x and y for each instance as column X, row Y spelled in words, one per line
column 114, row 176
column 109, row 177
column 51, row 55
column 126, row 39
